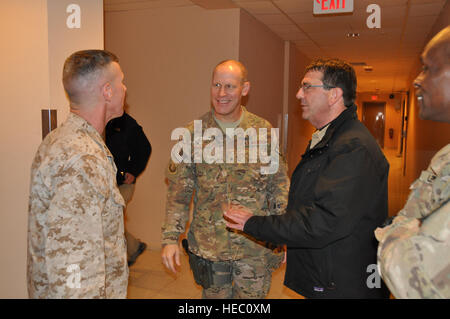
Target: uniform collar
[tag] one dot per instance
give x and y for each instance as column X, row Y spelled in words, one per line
column 81, row 124
column 211, row 122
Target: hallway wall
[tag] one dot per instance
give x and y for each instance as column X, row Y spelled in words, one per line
column 167, row 56
column 393, row 115
column 299, row 130
column 424, row 137
column 21, row 134
column 35, row 42
column 262, row 52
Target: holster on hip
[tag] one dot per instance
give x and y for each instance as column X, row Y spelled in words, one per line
column 207, row 273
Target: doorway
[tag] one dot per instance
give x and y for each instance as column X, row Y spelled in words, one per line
column 373, row 116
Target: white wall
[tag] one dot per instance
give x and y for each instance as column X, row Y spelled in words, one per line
column 63, row 41
column 24, row 91
column 34, row 44
column 299, row 130
column 167, row 56
column 262, row 52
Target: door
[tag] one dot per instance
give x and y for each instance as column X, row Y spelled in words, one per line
column 374, row 119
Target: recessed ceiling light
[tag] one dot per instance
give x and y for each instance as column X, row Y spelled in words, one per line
column 353, row 35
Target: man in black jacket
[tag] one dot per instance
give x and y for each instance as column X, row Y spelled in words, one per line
column 131, row 150
column 337, row 197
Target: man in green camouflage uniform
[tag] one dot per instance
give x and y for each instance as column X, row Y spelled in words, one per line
column 242, row 267
column 414, row 252
column 76, row 244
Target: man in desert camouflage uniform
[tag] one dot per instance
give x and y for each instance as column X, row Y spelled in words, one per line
column 76, row 246
column 414, row 252
column 235, row 258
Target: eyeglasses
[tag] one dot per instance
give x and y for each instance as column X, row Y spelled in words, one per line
column 228, row 88
column 306, row 86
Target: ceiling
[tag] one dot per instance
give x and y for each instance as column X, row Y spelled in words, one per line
column 391, row 50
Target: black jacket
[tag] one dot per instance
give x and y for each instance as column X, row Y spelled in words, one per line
column 337, row 198
column 129, row 146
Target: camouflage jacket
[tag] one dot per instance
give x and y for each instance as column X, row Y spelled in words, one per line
column 217, row 185
column 414, row 252
column 76, row 245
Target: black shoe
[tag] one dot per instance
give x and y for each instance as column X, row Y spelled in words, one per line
column 142, row 246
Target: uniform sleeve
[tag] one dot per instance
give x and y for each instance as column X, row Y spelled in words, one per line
column 181, row 181
column 431, row 190
column 415, row 262
column 75, row 252
column 140, row 150
column 278, row 189
column 334, row 211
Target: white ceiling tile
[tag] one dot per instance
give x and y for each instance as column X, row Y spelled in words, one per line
column 362, row 4
column 269, row 19
column 284, row 28
column 294, row 36
column 304, row 42
column 294, row 6
column 417, row 10
column 258, row 7
column 115, row 5
column 215, row 4
column 427, row 1
column 304, row 17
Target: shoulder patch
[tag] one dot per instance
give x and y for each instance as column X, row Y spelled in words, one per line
column 172, row 168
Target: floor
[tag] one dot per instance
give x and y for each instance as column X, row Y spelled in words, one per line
column 150, row 280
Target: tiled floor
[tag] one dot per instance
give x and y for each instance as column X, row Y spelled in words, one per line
column 150, row 280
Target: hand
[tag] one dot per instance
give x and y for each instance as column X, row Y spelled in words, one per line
column 379, row 233
column 170, row 253
column 400, row 225
column 129, row 178
column 237, row 216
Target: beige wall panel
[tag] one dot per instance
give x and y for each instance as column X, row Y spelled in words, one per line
column 24, row 65
column 262, row 52
column 63, row 41
column 167, row 56
column 34, row 44
column 299, row 130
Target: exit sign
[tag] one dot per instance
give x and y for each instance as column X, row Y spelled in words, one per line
column 332, row 6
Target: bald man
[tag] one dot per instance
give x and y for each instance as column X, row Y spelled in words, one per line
column 225, row 263
column 414, row 252
column 76, row 246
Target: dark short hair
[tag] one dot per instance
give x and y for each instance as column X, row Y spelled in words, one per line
column 83, row 63
column 337, row 73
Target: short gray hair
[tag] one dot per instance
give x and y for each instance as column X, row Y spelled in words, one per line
column 82, row 65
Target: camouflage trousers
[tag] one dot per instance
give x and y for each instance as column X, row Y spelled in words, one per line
column 250, row 279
